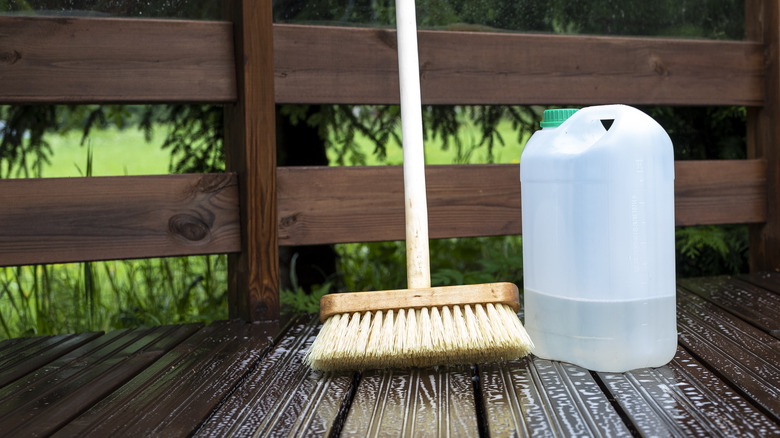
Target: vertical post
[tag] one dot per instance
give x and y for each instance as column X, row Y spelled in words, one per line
column 763, row 131
column 250, row 142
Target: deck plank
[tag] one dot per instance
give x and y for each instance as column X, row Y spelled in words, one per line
column 172, row 396
column 749, row 302
column 25, row 355
column 417, row 402
column 537, row 397
column 685, row 398
column 42, row 402
column 746, row 357
column 230, row 378
column 767, row 280
column 281, row 394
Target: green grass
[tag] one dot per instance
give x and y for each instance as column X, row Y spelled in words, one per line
column 434, row 153
column 64, row 298
column 115, row 152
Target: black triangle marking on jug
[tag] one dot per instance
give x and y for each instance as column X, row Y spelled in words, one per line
column 607, row 123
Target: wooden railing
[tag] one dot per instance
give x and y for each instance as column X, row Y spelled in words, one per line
column 255, row 207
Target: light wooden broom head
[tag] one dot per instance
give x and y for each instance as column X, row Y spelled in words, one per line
column 419, row 327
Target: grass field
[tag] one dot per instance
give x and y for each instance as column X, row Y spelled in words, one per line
column 126, row 152
column 114, row 152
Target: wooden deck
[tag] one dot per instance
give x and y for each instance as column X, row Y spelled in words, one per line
column 234, row 378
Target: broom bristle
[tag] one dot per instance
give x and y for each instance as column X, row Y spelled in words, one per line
column 455, row 334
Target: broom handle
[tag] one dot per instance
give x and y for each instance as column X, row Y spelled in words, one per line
column 418, row 270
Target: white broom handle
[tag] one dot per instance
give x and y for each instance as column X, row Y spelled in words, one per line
column 418, row 269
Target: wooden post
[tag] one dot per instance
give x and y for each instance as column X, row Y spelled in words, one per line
column 763, row 132
column 250, row 142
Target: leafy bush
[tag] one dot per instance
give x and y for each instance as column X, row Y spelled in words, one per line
column 712, row 250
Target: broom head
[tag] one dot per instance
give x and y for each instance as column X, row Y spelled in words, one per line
column 419, row 327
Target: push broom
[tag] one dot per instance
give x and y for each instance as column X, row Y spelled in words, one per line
column 422, row 325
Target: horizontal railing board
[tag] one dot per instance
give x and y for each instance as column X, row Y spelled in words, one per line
column 319, row 205
column 720, row 192
column 318, row 64
column 72, row 60
column 78, row 219
column 67, row 60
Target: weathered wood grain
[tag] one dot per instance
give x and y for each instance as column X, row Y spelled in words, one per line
column 720, row 192
column 351, row 302
column 762, row 25
column 250, row 151
column 685, row 398
column 22, row 356
column 744, row 356
column 281, row 395
column 317, row 64
column 173, row 395
column 132, row 60
column 334, row 205
column 43, row 401
column 76, row 219
column 70, row 60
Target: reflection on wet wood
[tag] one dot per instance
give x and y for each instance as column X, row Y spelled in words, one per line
column 744, row 355
column 767, row 280
column 281, row 395
column 537, row 397
column 50, row 397
column 685, row 399
column 756, row 305
column 23, row 355
column 420, row 402
column 177, row 391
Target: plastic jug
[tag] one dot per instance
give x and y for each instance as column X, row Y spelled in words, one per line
column 598, row 239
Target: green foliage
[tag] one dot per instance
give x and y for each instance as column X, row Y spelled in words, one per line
column 345, row 129
column 195, row 136
column 693, row 18
column 23, row 151
column 712, row 250
column 296, row 301
column 704, row 133
column 299, row 301
column 477, row 260
column 48, row 299
column 194, row 9
column 372, row 266
column 382, row 265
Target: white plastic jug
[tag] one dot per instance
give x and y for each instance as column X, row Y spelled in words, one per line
column 598, row 239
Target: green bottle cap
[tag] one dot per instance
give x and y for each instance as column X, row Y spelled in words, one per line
column 554, row 117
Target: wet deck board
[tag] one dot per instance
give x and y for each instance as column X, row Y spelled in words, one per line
column 233, row 378
column 757, row 305
column 536, row 397
column 420, row 402
column 281, row 394
column 49, row 397
column 746, row 356
column 685, row 398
